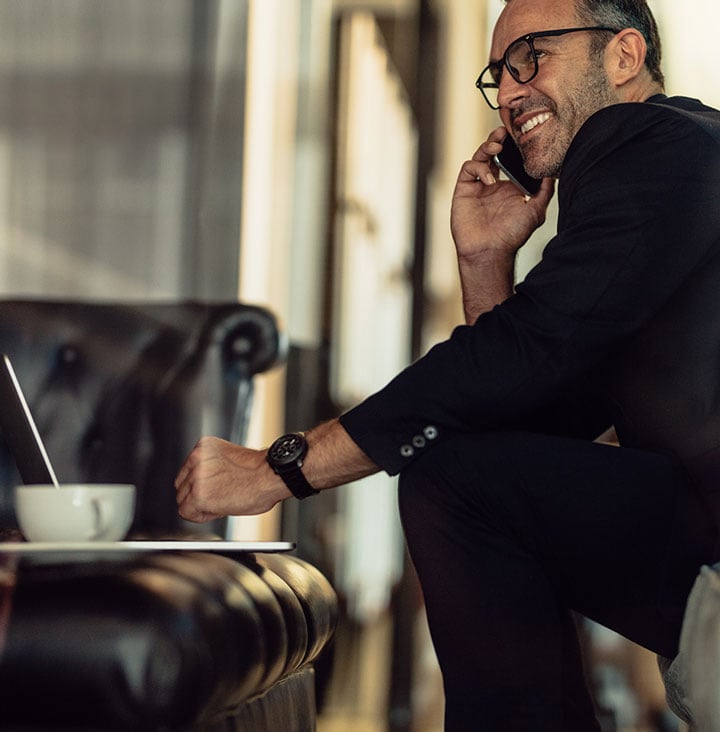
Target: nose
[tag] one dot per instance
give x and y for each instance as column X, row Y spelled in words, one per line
column 510, row 91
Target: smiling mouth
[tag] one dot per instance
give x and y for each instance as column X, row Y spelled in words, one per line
column 534, row 122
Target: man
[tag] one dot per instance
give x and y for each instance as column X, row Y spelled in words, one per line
column 514, row 515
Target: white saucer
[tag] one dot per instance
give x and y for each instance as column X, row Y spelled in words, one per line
column 70, row 552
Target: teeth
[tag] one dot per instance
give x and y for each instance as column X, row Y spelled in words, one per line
column 534, row 122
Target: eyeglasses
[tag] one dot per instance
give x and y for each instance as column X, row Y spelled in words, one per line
column 521, row 60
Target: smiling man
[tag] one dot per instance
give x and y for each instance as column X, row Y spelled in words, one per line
column 515, row 515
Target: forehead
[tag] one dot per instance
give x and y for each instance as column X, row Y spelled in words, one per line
column 526, row 16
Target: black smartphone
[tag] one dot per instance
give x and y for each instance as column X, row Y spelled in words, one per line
column 510, row 161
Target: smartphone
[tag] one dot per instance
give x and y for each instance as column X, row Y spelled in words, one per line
column 510, row 161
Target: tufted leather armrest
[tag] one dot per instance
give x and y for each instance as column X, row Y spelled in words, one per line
column 167, row 641
column 121, row 391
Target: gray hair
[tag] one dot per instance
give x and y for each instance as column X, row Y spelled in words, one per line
column 627, row 14
column 624, row 14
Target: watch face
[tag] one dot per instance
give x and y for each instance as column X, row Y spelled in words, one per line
column 287, row 450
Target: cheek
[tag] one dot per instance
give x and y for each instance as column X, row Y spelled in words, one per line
column 505, row 119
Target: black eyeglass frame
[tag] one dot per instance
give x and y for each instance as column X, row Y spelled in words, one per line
column 529, row 38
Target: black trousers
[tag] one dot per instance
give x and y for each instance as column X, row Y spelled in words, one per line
column 509, row 532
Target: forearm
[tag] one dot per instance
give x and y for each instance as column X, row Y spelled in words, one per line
column 334, row 458
column 219, row 478
column 487, row 278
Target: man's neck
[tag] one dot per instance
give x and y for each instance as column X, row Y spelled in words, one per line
column 641, row 92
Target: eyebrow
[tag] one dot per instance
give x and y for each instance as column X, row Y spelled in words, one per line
column 496, row 65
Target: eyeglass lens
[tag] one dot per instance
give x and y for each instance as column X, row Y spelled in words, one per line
column 522, row 62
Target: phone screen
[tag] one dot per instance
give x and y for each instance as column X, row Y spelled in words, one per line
column 510, row 161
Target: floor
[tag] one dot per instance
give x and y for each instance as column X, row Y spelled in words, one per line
column 357, row 698
column 357, row 694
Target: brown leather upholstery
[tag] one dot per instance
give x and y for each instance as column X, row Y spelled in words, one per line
column 182, row 641
column 166, row 642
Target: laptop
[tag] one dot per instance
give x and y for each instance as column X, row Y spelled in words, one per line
column 21, row 434
column 33, row 464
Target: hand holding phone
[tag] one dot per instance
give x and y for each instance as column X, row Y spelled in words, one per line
column 510, row 161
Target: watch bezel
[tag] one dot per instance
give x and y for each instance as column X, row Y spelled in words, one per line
column 286, row 456
column 288, row 451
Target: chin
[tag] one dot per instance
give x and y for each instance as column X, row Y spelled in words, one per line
column 543, row 168
column 541, row 162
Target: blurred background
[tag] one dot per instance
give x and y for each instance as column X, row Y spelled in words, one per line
column 298, row 154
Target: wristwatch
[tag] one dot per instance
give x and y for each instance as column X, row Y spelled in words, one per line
column 286, row 456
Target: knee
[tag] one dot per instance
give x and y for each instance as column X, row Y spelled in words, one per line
column 441, row 483
column 477, row 458
column 467, row 475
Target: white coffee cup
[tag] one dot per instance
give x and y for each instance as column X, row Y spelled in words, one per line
column 75, row 511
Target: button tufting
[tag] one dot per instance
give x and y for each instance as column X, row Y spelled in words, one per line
column 418, row 441
column 430, row 432
column 407, row 451
column 69, row 353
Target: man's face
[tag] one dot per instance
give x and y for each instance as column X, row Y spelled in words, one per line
column 545, row 114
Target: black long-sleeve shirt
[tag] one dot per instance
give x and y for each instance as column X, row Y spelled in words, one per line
column 618, row 324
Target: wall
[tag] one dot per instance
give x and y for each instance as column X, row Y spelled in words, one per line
column 119, row 166
column 689, row 33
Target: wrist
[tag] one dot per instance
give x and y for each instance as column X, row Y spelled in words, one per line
column 286, row 457
column 273, row 485
column 487, row 278
column 490, row 256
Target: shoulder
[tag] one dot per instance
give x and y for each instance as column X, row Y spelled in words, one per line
column 645, row 137
column 668, row 114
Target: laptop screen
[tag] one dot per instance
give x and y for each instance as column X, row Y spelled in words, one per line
column 19, row 430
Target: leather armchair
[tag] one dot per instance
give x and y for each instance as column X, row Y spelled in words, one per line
column 188, row 641
column 121, row 392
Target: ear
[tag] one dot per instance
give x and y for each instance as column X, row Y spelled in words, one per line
column 625, row 56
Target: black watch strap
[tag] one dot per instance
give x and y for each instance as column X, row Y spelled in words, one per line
column 298, row 484
column 286, row 456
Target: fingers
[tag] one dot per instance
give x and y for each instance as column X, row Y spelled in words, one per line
column 481, row 167
column 219, row 478
column 182, row 476
column 190, row 506
column 492, row 146
column 186, row 479
column 183, row 492
column 203, row 481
